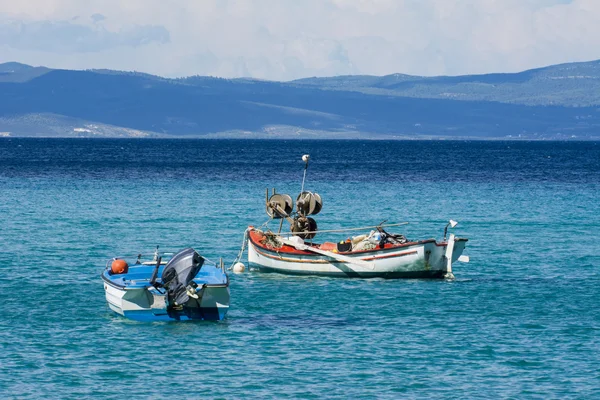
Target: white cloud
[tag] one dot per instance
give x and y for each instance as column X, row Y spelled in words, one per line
column 287, row 39
column 73, row 37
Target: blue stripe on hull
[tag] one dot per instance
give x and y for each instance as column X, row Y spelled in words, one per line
column 203, row 314
column 437, row 274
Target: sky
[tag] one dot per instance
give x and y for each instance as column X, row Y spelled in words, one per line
column 290, row 39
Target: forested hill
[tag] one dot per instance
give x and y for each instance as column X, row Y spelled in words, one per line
column 573, row 84
column 556, row 102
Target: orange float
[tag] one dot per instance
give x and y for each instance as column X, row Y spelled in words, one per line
column 119, row 266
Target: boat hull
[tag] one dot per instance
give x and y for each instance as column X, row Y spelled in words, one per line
column 147, row 304
column 416, row 260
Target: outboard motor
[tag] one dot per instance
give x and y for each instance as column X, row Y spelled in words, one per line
column 179, row 273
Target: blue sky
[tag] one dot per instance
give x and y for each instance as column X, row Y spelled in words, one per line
column 289, row 39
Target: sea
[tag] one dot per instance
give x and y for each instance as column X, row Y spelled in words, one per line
column 521, row 320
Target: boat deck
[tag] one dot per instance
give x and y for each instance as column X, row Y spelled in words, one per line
column 138, row 276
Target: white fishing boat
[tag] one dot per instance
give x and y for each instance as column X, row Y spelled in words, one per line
column 376, row 253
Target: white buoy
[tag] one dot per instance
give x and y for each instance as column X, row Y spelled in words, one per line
column 238, row 268
column 305, row 158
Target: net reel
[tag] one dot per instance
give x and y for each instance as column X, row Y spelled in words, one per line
column 304, row 227
column 277, row 203
column 308, row 203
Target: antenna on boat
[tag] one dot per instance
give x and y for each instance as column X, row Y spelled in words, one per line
column 305, row 158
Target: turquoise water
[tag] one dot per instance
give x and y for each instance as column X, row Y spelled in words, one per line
column 521, row 319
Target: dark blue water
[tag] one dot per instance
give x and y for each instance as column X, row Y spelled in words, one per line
column 521, row 320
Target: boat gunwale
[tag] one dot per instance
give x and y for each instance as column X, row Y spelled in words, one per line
column 125, row 287
column 283, row 248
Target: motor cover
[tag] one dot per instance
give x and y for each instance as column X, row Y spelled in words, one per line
column 179, row 272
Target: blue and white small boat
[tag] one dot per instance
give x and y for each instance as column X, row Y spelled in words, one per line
column 184, row 288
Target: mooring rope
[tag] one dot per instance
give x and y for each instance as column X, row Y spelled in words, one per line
column 241, row 252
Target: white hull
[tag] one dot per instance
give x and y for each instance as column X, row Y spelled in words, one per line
column 144, row 304
column 414, row 260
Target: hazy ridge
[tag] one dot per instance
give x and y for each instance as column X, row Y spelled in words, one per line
column 555, row 102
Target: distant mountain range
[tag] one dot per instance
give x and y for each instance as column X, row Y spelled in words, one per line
column 556, row 102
